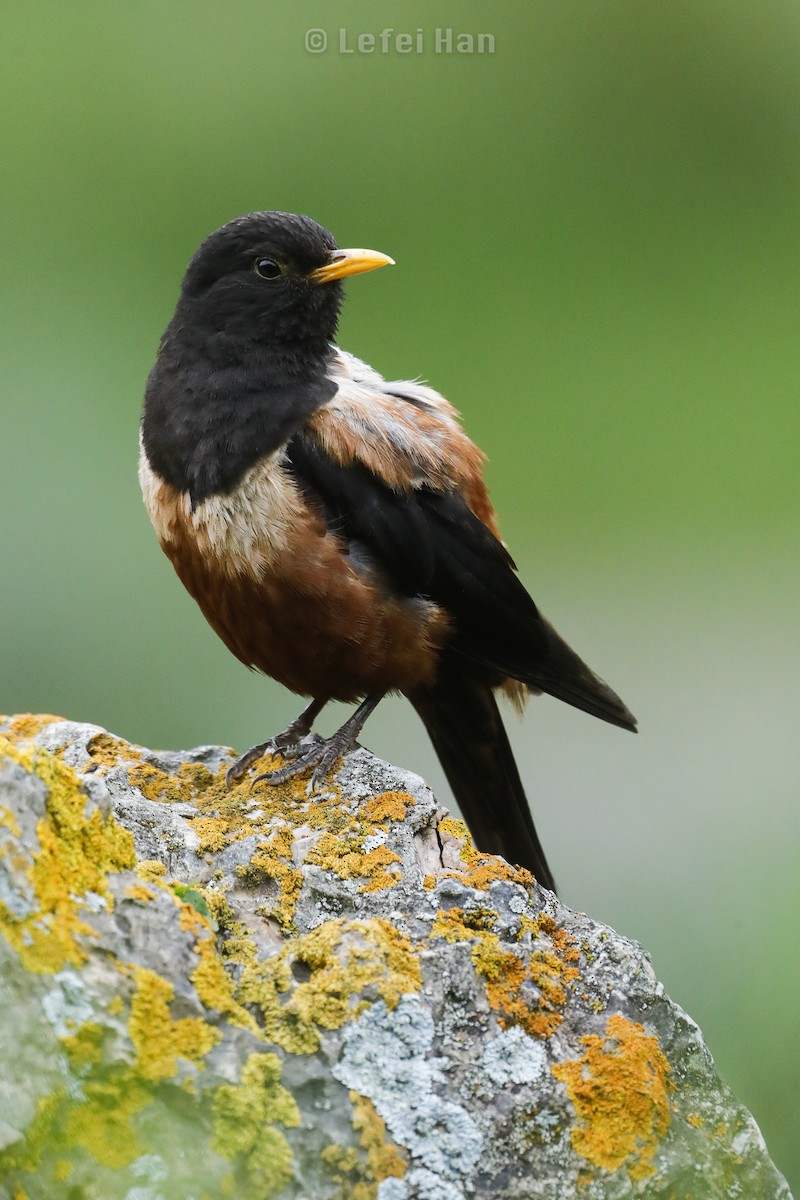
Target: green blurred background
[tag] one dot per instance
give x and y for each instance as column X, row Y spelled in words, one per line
column 596, row 232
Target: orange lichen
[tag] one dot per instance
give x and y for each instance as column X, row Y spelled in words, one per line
column 379, row 883
column 107, row 751
column 155, row 784
column 384, row 1159
column 388, row 806
column 26, row 726
column 525, row 988
column 620, row 1090
column 480, row 870
column 562, row 941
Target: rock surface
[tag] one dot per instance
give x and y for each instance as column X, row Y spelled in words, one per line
column 260, row 994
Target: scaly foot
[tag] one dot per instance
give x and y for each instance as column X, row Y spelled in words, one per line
column 323, row 754
column 283, row 743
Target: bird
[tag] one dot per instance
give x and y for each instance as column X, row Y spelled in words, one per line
column 335, row 527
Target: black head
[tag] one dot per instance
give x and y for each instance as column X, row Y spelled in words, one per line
column 272, row 276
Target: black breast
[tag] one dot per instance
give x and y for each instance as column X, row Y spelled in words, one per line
column 211, row 412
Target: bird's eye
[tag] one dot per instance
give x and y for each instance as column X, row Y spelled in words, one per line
column 267, row 268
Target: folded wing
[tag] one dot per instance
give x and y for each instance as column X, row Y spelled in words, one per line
column 429, row 542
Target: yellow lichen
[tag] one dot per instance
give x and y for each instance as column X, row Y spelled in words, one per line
column 9, row 821
column 137, row 891
column 317, row 981
column 347, row 858
column 159, row 1039
column 245, row 1120
column 237, row 945
column 76, row 853
column 84, row 1048
column 189, row 919
column 273, row 860
column 215, row 987
column 620, row 1090
column 102, row 1123
column 278, row 816
column 97, row 1119
column 150, row 870
column 343, row 1159
column 213, row 834
column 155, row 784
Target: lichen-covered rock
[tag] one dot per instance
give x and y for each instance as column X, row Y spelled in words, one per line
column 264, row 994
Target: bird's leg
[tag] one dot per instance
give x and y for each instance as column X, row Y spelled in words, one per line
column 283, row 742
column 324, row 754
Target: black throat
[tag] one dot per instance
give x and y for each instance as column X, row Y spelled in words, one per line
column 217, row 402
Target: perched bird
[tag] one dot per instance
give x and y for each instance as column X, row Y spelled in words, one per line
column 334, row 527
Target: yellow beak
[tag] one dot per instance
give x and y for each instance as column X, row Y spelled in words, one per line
column 350, row 262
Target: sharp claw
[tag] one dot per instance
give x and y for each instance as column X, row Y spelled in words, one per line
column 302, row 763
column 237, row 770
column 322, row 756
column 235, row 774
column 321, row 773
column 290, row 751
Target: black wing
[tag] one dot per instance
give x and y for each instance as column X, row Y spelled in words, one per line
column 431, row 544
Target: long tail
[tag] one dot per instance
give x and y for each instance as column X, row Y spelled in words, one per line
column 463, row 722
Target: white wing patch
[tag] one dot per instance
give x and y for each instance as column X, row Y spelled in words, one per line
column 404, row 431
column 361, row 378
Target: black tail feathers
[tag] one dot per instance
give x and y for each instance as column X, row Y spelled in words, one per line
column 463, row 722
